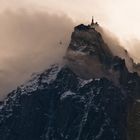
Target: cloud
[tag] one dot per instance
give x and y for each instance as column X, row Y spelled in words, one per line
column 30, row 42
column 117, row 47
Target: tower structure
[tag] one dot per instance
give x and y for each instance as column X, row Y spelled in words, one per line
column 93, row 24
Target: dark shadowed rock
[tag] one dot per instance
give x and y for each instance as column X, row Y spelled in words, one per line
column 68, row 108
column 91, row 97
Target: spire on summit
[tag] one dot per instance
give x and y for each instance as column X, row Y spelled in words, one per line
column 93, row 24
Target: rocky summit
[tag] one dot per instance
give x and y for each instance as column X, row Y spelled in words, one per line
column 92, row 96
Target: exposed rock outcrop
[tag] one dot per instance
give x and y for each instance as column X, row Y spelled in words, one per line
column 90, row 97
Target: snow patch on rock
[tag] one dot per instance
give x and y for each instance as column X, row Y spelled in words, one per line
column 43, row 78
column 66, row 94
column 84, row 82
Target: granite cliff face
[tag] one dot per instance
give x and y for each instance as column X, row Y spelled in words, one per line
column 90, row 97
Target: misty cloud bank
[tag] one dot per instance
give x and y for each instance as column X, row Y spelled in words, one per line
column 120, row 46
column 30, row 42
column 124, row 50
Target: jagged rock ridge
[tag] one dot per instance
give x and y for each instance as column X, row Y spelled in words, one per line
column 63, row 103
column 67, row 108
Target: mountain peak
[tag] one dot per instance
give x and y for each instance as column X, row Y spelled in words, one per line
column 90, row 57
column 86, row 98
column 88, row 40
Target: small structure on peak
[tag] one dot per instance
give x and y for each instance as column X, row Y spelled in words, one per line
column 83, row 27
column 93, row 24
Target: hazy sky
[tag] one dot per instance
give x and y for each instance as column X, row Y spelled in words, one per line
column 29, row 43
column 121, row 16
column 30, row 31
